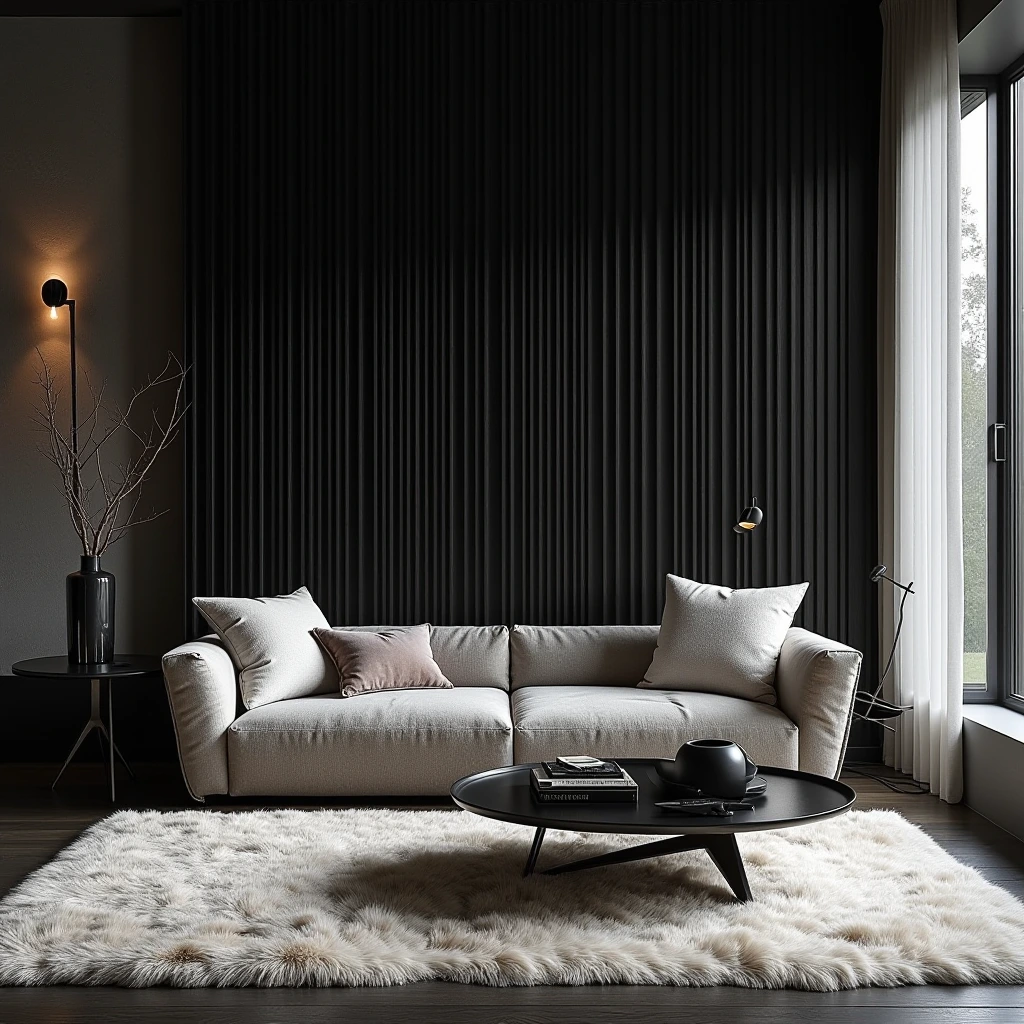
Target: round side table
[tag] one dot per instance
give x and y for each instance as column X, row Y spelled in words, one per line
column 124, row 666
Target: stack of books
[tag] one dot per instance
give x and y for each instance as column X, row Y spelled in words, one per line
column 554, row 783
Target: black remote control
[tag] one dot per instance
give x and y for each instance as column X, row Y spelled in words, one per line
column 704, row 805
column 690, row 801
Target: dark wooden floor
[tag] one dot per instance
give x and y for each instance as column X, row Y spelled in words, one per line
column 35, row 824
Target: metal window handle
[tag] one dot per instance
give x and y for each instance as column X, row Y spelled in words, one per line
column 998, row 442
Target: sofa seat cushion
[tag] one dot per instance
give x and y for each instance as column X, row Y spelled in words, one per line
column 623, row 721
column 385, row 743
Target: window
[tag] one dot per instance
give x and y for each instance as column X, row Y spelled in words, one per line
column 992, row 364
column 1013, row 320
column 974, row 340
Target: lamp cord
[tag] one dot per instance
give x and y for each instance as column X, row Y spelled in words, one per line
column 905, row 787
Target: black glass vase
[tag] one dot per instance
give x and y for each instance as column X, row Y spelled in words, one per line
column 90, row 614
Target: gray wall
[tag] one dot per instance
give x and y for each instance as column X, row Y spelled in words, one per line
column 90, row 191
column 970, row 13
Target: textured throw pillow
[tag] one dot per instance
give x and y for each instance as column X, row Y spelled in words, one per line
column 268, row 640
column 718, row 640
column 395, row 659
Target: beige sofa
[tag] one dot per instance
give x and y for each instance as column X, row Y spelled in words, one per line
column 520, row 695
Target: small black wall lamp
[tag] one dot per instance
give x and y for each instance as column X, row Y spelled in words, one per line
column 750, row 518
column 55, row 294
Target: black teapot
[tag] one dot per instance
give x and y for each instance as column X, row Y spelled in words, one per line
column 712, row 767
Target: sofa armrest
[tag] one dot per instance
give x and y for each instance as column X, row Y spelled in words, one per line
column 202, row 691
column 816, row 679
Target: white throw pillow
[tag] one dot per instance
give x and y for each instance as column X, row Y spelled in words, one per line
column 270, row 642
column 717, row 640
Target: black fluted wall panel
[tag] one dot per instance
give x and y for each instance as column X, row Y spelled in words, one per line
column 500, row 311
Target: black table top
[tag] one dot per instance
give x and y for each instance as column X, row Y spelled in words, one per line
column 792, row 798
column 59, row 668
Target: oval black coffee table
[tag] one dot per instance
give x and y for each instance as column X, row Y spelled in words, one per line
column 792, row 798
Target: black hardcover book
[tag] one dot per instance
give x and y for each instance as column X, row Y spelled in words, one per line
column 586, row 796
column 609, row 770
column 578, row 791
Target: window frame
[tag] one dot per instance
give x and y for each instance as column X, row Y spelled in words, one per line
column 1005, row 383
column 995, row 506
column 1009, row 389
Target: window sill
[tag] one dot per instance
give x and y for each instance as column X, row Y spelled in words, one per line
column 997, row 718
column 993, row 749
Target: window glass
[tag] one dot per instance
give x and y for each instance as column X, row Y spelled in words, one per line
column 1016, row 343
column 974, row 368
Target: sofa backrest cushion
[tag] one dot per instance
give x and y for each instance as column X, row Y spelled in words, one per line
column 581, row 655
column 718, row 640
column 271, row 645
column 468, row 655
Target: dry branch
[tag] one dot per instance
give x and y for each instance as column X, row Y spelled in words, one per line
column 103, row 497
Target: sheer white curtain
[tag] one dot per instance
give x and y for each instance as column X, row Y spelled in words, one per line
column 919, row 379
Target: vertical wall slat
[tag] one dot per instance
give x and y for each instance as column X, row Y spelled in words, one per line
column 499, row 312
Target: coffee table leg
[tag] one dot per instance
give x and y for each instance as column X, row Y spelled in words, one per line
column 677, row 844
column 725, row 852
column 531, row 860
column 722, row 849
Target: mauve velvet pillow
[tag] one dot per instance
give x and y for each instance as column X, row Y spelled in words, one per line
column 396, row 659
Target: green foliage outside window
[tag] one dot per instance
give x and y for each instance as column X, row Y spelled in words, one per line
column 974, row 367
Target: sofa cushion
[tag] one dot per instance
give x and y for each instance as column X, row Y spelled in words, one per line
column 387, row 659
column 270, row 643
column 620, row 721
column 385, row 743
column 585, row 655
column 467, row 655
column 717, row 640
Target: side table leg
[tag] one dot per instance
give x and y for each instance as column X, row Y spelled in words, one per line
column 95, row 722
column 106, row 731
column 123, row 760
column 531, row 860
column 74, row 750
column 110, row 735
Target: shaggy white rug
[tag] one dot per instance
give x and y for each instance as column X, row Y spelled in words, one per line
column 382, row 897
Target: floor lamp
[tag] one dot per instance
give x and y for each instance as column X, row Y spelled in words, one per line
column 869, row 706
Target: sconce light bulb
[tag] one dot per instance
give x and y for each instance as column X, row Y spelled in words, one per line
column 53, row 312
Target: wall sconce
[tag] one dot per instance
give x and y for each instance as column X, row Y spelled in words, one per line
column 55, row 294
column 750, row 518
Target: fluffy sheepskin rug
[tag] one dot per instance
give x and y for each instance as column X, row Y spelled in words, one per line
column 383, row 897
